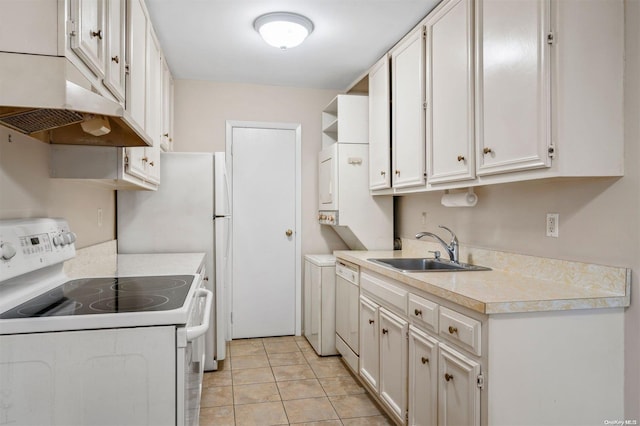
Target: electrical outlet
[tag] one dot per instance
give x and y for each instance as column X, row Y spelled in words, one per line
column 553, row 223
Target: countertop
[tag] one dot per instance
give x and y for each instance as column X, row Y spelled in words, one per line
column 540, row 284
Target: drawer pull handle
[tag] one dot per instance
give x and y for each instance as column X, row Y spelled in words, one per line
column 487, row 150
column 96, row 34
column 425, row 360
column 453, row 330
column 460, row 157
column 385, row 331
column 418, row 312
column 448, row 377
column 371, row 321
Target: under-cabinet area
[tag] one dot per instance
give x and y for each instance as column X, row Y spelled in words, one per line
column 433, row 350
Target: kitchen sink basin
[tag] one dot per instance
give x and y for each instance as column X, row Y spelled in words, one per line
column 426, row 265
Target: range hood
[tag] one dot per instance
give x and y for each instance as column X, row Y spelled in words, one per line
column 46, row 97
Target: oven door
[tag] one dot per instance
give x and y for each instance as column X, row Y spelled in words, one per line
column 190, row 359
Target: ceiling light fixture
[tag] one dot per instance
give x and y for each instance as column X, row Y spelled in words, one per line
column 283, row 30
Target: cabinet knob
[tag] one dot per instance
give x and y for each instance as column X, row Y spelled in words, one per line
column 448, row 377
column 385, row 331
column 397, row 172
column 288, row 232
column 151, row 164
column 144, row 159
column 116, row 59
column 453, row 330
column 371, row 321
column 418, row 312
column 96, row 34
column 383, row 173
column 487, row 150
column 425, row 360
column 166, row 135
column 460, row 157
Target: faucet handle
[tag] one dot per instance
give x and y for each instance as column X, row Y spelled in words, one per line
column 454, row 238
column 436, row 254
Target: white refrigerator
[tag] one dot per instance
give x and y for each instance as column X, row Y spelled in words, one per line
column 190, row 212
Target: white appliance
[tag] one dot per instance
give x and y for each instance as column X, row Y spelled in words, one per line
column 347, row 313
column 106, row 350
column 320, row 302
column 363, row 221
column 190, row 212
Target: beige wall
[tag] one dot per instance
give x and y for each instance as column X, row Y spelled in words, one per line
column 27, row 191
column 599, row 218
column 202, row 109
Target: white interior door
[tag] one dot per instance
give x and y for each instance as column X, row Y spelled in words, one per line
column 264, row 192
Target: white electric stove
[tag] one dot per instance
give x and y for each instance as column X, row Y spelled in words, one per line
column 105, row 350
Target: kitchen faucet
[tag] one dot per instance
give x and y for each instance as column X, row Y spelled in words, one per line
column 451, row 248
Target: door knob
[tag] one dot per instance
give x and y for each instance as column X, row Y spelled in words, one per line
column 289, row 232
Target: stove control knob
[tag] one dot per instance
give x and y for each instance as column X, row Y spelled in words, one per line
column 69, row 237
column 7, row 251
column 58, row 240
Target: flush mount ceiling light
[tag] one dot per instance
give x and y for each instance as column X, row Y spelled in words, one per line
column 283, row 30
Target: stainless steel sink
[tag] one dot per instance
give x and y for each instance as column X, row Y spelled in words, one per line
column 426, row 265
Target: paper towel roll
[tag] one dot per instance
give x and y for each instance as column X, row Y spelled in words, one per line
column 461, row 199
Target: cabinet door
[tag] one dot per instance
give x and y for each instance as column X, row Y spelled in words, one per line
column 115, row 60
column 379, row 125
column 450, row 128
column 369, row 342
column 167, row 108
column 513, row 90
column 136, row 62
column 458, row 392
column 423, row 378
column 87, row 40
column 153, row 108
column 408, row 117
column 393, row 362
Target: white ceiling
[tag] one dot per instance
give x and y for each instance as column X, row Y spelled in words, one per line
column 215, row 40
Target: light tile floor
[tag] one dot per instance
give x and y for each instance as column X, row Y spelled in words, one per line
column 281, row 381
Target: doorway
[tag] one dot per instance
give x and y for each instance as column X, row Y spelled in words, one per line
column 264, row 166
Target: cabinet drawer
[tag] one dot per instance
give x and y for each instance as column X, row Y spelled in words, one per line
column 423, row 312
column 387, row 293
column 460, row 329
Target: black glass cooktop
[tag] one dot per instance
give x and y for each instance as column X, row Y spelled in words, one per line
column 107, row 296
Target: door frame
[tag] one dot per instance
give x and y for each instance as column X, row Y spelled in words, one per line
column 297, row 127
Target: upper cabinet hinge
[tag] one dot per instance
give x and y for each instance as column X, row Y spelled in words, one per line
column 480, row 381
column 424, row 34
column 550, row 37
column 424, row 105
column 551, row 151
column 71, row 26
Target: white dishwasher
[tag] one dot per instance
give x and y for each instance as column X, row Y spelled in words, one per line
column 320, row 302
column 347, row 312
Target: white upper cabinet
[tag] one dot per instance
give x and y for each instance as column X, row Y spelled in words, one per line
column 513, row 89
column 115, row 49
column 88, row 33
column 408, row 118
column 136, row 61
column 380, row 125
column 167, row 108
column 449, row 85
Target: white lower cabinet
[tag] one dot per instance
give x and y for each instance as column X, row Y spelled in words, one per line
column 458, row 388
column 369, row 343
column 383, row 355
column 393, row 362
column 423, row 378
column 443, row 383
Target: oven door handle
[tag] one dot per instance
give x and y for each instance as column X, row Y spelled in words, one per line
column 198, row 330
